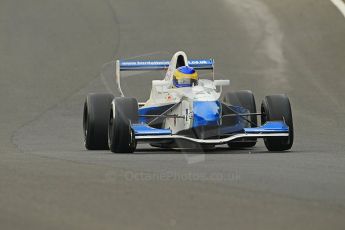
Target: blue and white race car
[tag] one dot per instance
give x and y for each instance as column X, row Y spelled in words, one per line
column 184, row 111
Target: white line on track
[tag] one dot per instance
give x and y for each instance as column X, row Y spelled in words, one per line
column 340, row 5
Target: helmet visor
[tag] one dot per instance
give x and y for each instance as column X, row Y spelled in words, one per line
column 185, row 82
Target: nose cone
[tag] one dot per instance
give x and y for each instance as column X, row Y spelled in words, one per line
column 206, row 113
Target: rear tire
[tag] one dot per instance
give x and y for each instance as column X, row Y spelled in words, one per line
column 245, row 99
column 278, row 108
column 121, row 138
column 95, row 121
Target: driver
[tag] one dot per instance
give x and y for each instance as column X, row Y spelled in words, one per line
column 185, row 76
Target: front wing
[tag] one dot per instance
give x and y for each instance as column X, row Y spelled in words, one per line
column 146, row 133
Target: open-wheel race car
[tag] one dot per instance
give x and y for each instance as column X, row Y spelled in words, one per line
column 184, row 111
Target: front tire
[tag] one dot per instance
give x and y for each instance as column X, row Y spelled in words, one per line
column 278, row 108
column 245, row 99
column 124, row 112
column 95, row 121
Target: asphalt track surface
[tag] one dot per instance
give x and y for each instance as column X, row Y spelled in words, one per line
column 52, row 53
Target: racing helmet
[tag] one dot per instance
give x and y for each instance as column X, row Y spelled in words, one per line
column 185, row 76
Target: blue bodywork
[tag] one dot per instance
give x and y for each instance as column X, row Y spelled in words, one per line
column 144, row 129
column 206, row 113
column 269, row 127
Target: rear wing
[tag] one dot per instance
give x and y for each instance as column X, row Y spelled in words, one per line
column 161, row 64
column 141, row 65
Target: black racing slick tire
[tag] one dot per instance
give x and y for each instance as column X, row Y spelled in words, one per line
column 245, row 99
column 95, row 121
column 278, row 108
column 124, row 112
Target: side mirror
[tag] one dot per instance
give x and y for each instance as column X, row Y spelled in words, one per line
column 161, row 86
column 221, row 82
